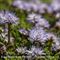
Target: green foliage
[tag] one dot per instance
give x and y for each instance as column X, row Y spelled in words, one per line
column 51, row 18
column 46, row 1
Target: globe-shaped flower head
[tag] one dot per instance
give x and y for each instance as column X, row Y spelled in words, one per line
column 7, row 17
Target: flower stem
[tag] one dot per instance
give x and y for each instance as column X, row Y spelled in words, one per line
column 9, row 32
column 4, row 28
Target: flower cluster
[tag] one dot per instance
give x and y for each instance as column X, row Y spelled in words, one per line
column 38, row 31
column 31, row 52
column 39, row 34
column 25, row 5
column 38, row 6
column 38, row 20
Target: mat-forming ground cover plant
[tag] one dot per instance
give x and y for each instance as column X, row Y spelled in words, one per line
column 32, row 29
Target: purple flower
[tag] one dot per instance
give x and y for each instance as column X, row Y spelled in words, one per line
column 55, row 5
column 23, row 31
column 35, row 51
column 49, row 9
column 42, row 8
column 28, row 6
column 31, row 18
column 55, row 46
column 42, row 22
column 38, row 34
column 38, row 20
column 7, row 17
